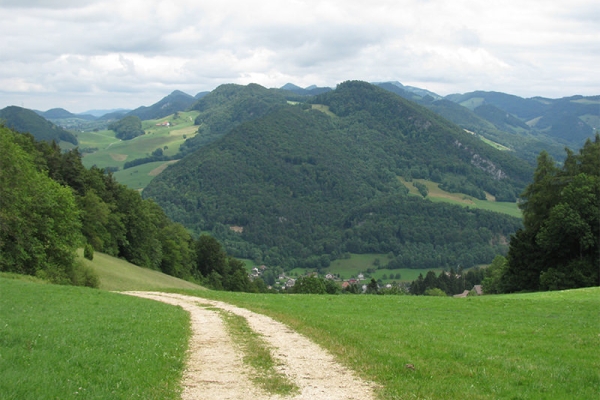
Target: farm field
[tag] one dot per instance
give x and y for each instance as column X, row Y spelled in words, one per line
column 437, row 194
column 139, row 177
column 113, row 152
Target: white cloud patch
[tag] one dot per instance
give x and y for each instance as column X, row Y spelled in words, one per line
column 107, row 52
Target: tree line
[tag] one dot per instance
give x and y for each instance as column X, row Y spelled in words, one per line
column 50, row 205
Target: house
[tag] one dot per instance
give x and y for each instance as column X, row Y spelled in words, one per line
column 329, row 276
column 345, row 284
column 290, row 283
column 477, row 289
column 361, row 277
column 166, row 123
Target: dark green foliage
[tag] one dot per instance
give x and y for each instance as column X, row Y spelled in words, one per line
column 309, row 284
column 88, row 251
column 558, row 248
column 423, row 191
column 127, row 128
column 222, row 272
column 228, row 106
column 27, row 121
column 448, row 282
column 307, row 188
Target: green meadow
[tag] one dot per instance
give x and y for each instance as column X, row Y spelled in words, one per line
column 531, row 346
column 67, row 342
column 437, row 194
column 112, row 152
column 64, row 342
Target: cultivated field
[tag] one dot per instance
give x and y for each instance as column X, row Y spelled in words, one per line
column 112, row 152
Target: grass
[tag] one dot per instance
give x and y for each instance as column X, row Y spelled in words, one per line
column 117, row 274
column 531, row 346
column 439, row 195
column 113, row 152
column 62, row 342
column 257, row 355
column 139, row 177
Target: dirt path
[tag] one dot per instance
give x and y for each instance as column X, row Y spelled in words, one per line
column 215, row 369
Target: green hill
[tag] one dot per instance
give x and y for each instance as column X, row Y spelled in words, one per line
column 228, row 106
column 305, row 187
column 28, row 121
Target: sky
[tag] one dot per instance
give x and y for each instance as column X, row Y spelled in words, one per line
column 106, row 54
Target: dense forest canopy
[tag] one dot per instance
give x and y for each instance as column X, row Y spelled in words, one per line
column 305, row 187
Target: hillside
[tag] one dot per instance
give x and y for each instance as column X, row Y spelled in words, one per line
column 303, row 187
column 174, row 102
column 228, row 106
column 28, row 121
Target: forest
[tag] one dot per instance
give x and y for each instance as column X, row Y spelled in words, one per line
column 307, row 187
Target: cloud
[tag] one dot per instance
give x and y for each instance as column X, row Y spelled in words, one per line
column 134, row 50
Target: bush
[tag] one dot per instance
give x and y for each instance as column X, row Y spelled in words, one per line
column 88, row 252
column 435, row 292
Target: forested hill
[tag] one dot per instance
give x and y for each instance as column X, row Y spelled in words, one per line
column 228, row 106
column 301, row 187
column 27, row 121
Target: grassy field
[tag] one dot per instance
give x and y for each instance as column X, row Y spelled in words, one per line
column 531, row 346
column 66, row 342
column 117, row 274
column 437, row 194
column 139, row 177
column 113, row 152
column 62, row 342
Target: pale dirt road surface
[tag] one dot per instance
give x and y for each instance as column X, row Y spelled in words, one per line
column 215, row 370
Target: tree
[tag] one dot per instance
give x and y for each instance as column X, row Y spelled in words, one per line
column 309, row 284
column 39, row 219
column 558, row 247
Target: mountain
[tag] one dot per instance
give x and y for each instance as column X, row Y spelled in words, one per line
column 409, row 92
column 200, row 95
column 312, row 90
column 28, row 121
column 300, row 186
column 100, row 113
column 176, row 101
column 61, row 113
column 570, row 120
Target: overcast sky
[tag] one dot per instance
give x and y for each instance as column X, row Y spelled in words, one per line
column 103, row 54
